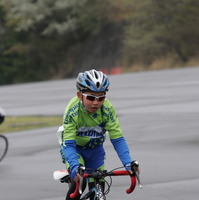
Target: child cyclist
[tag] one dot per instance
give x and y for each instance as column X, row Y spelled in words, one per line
column 87, row 118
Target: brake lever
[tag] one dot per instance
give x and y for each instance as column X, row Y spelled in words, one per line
column 80, row 185
column 135, row 166
column 81, row 172
column 138, row 179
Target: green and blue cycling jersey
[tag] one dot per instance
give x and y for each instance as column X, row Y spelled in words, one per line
column 86, row 132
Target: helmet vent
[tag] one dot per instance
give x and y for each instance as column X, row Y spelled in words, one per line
column 87, row 82
column 88, row 77
column 98, row 84
column 96, row 75
column 105, row 83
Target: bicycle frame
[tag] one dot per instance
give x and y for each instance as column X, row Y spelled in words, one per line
column 88, row 194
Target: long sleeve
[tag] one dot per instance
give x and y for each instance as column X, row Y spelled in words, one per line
column 122, row 150
column 69, row 150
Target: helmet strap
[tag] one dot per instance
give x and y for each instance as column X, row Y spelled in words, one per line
column 81, row 100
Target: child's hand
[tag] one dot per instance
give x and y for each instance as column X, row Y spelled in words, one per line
column 77, row 178
column 133, row 167
column 77, row 173
column 74, row 173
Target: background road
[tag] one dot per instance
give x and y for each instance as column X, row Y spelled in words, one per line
column 159, row 114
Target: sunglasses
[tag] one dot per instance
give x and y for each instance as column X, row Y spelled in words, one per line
column 93, row 98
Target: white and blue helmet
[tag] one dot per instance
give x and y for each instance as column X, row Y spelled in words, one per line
column 95, row 81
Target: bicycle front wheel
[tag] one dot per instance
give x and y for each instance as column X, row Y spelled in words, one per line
column 3, row 146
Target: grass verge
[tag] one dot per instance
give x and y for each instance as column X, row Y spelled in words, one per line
column 20, row 123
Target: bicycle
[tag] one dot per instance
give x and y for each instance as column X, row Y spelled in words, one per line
column 3, row 146
column 97, row 175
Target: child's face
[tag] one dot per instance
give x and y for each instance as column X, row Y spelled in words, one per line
column 89, row 101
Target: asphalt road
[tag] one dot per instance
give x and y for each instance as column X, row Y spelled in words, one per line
column 159, row 114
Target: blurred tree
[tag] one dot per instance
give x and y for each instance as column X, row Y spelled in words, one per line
column 50, row 35
column 158, row 28
column 50, row 39
column 55, row 33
